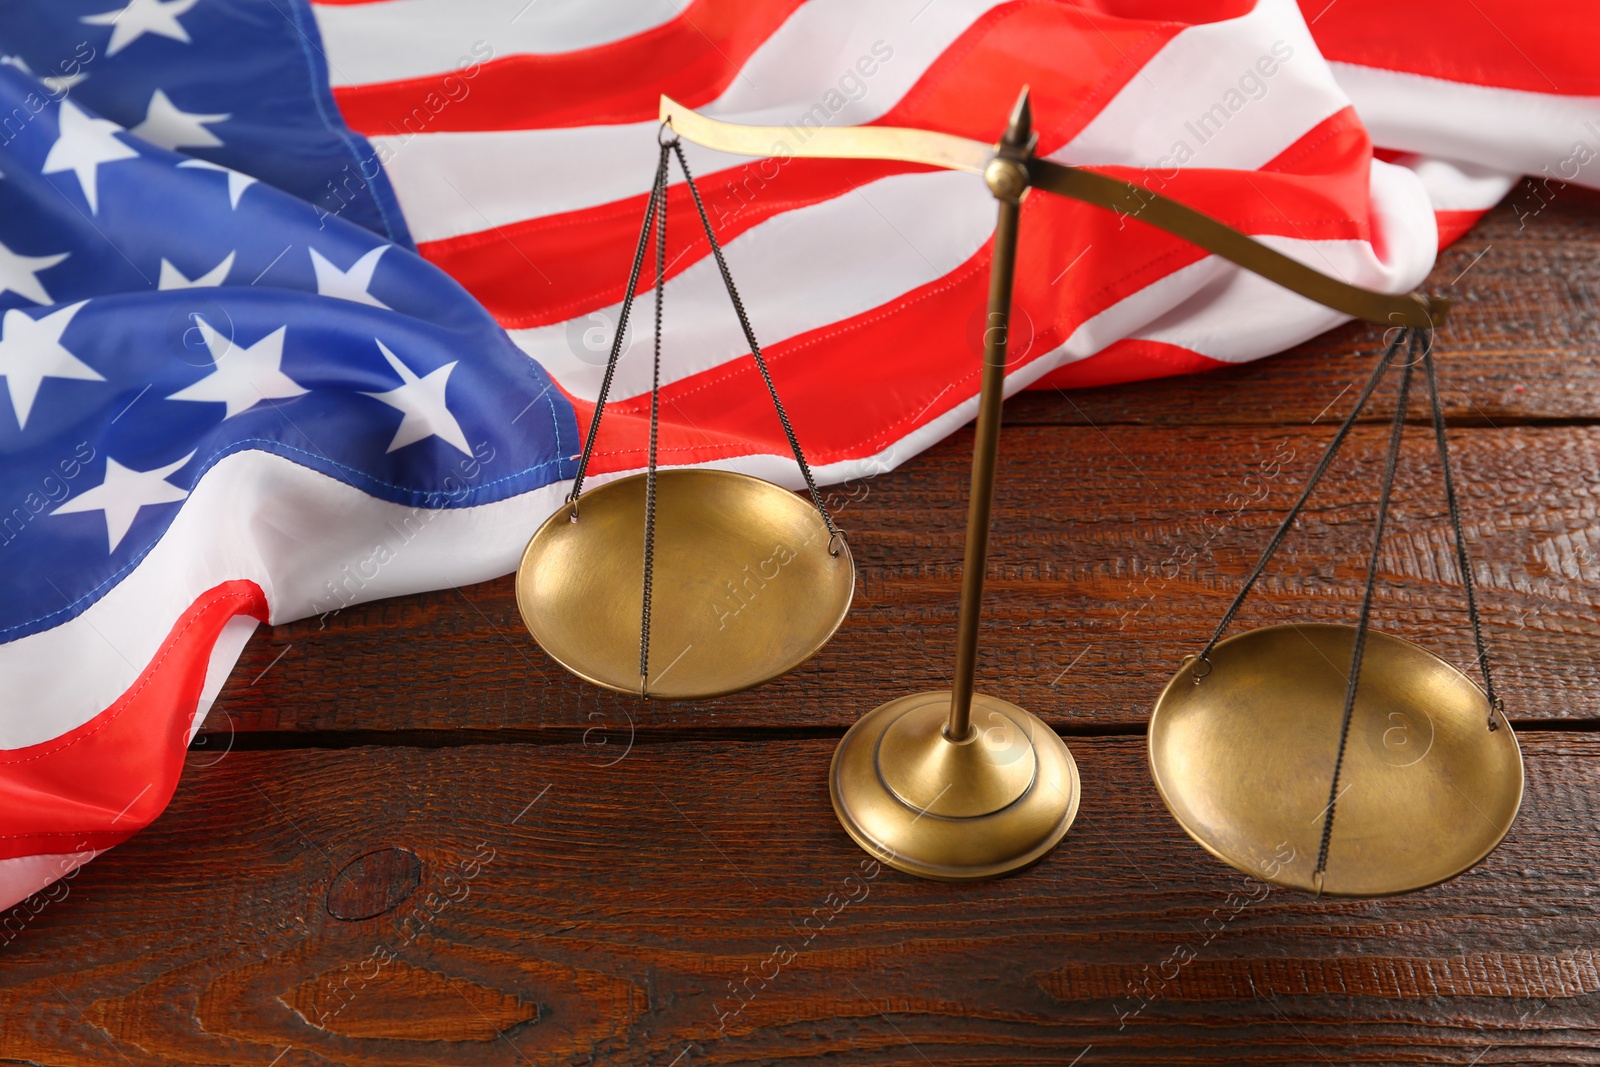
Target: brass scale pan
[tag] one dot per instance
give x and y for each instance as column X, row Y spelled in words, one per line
column 750, row 581
column 742, row 579
column 744, row 589
column 1242, row 761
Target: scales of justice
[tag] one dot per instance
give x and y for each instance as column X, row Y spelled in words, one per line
column 1257, row 743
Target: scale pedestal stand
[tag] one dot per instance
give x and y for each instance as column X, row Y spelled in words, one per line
column 997, row 800
column 956, row 785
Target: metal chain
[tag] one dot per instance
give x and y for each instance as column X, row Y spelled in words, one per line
column 1396, row 431
column 1311, row 484
column 755, row 350
column 657, row 194
column 655, row 421
column 1462, row 562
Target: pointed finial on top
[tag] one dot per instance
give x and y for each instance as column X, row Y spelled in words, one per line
column 1007, row 173
column 1021, row 126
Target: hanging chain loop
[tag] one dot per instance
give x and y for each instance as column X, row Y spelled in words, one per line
column 655, row 219
column 657, row 205
column 1419, row 345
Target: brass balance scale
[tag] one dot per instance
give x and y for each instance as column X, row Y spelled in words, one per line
column 1257, row 743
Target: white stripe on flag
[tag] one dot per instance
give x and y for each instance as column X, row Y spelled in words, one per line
column 451, row 184
column 400, row 39
column 1459, row 186
column 224, row 654
column 818, row 251
column 23, row 876
column 1206, row 92
column 1507, row 130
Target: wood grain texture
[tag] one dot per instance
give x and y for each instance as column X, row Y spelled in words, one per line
column 698, row 901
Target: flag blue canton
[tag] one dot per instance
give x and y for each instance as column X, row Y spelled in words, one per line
column 240, row 83
column 159, row 312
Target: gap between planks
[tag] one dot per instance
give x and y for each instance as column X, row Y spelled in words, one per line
column 284, row 740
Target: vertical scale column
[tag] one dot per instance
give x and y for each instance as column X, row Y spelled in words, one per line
column 917, row 781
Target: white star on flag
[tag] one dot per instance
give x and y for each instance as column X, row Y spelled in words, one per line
column 31, row 351
column 59, row 85
column 123, row 493
column 84, row 144
column 173, row 278
column 140, row 17
column 20, row 274
column 422, row 401
column 349, row 284
column 167, row 125
column 237, row 183
column 243, row 377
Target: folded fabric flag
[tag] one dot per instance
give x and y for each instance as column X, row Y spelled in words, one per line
column 306, row 304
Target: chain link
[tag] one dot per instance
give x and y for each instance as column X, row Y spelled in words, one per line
column 1311, row 484
column 657, row 193
column 1462, row 562
column 755, row 350
column 1396, row 431
column 655, row 422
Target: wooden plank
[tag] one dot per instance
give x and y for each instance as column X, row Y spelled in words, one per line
column 1522, row 344
column 1115, row 551
column 571, row 911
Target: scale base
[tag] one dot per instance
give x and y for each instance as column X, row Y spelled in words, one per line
column 948, row 810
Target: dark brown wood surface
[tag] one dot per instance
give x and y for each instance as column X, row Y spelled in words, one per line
column 405, row 837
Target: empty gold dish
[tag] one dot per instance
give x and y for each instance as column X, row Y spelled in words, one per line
column 1244, row 759
column 745, row 587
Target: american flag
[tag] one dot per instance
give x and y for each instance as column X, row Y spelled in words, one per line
column 308, row 303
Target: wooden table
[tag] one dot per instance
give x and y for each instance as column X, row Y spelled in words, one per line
column 405, row 837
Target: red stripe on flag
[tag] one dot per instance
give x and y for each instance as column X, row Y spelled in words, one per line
column 95, row 786
column 1453, row 224
column 1128, row 360
column 692, row 58
column 1507, row 44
